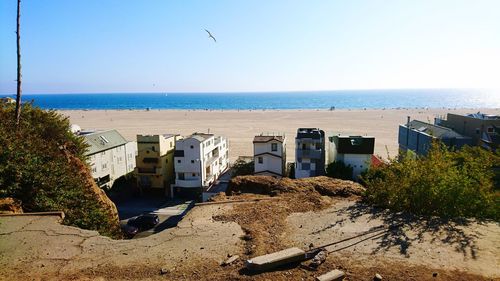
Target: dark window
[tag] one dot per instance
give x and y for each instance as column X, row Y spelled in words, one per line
column 318, row 146
column 192, row 147
column 192, row 161
column 304, row 146
column 261, row 160
column 181, row 176
column 274, row 147
column 193, row 174
column 150, row 160
column 178, row 161
column 306, row 166
column 166, row 160
column 490, row 130
column 477, row 131
column 153, row 148
column 179, row 153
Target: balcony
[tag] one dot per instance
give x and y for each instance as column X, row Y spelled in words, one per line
column 153, row 170
column 309, row 153
column 194, row 183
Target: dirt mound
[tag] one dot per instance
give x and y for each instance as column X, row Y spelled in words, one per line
column 271, row 186
column 264, row 222
column 10, row 206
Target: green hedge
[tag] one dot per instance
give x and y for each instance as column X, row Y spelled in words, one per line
column 445, row 183
column 42, row 164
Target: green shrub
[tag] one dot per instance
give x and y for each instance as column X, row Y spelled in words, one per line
column 242, row 168
column 42, row 164
column 444, row 183
column 339, row 170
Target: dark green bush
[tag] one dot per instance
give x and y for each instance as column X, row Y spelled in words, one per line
column 444, row 183
column 242, row 168
column 339, row 170
column 42, row 164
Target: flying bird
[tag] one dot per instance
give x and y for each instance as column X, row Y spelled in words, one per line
column 210, row 35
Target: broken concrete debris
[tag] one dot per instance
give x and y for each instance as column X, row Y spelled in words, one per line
column 319, row 258
column 274, row 260
column 230, row 260
column 333, row 275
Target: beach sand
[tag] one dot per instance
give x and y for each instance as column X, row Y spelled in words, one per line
column 241, row 126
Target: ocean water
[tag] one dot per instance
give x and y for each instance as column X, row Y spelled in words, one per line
column 359, row 99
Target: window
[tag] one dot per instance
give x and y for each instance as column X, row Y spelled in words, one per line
column 153, row 148
column 306, row 166
column 304, row 147
column 274, row 147
column 180, row 176
column 261, row 160
column 166, row 160
column 94, row 170
column 192, row 147
column 171, row 144
column 192, row 161
column 104, row 166
column 490, row 130
column 193, row 174
column 318, row 146
column 477, row 131
column 178, row 161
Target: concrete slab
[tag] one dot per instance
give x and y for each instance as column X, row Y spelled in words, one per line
column 269, row 261
column 334, row 275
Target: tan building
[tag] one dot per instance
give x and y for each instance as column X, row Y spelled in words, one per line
column 484, row 129
column 155, row 161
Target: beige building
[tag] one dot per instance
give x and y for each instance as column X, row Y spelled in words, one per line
column 155, row 161
column 110, row 156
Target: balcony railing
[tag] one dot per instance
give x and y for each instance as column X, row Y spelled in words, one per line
column 309, row 153
column 188, row 183
column 154, row 170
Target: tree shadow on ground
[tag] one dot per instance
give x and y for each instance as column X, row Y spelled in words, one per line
column 404, row 229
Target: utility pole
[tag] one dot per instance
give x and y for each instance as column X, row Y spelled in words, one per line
column 19, row 91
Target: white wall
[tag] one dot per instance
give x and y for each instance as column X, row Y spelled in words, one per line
column 358, row 162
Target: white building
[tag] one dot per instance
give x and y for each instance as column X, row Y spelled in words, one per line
column 110, row 156
column 199, row 161
column 269, row 155
column 355, row 151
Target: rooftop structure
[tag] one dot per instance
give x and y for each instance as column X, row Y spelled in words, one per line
column 417, row 137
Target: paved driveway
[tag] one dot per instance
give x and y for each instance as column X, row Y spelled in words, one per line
column 170, row 212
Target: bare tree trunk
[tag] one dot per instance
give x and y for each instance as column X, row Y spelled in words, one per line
column 19, row 91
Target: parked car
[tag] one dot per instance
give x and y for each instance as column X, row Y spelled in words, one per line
column 144, row 222
column 129, row 231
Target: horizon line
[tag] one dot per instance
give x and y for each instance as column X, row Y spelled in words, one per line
column 255, row 92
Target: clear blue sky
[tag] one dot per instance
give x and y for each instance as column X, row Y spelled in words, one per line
column 262, row 45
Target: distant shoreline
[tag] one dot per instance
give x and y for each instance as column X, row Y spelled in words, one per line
column 278, row 110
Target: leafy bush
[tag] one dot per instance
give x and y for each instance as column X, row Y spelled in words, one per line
column 42, row 164
column 445, row 183
column 242, row 168
column 339, row 170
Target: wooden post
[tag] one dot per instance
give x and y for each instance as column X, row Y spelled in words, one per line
column 19, row 90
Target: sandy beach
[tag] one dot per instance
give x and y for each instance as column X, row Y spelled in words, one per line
column 241, row 126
